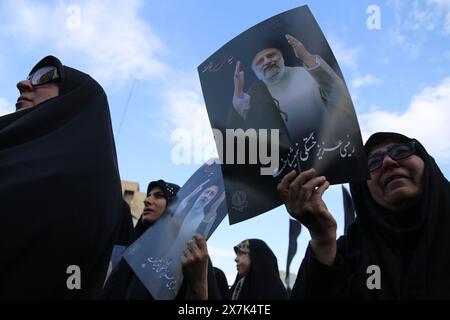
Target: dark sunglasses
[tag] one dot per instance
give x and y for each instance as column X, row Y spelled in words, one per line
column 43, row 75
column 396, row 152
column 240, row 252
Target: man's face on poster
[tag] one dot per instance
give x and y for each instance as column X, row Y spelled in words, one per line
column 208, row 194
column 268, row 65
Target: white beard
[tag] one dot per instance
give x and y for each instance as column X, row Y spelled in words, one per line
column 273, row 74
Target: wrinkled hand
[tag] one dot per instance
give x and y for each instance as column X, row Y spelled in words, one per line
column 194, row 261
column 303, row 198
column 238, row 81
column 301, row 52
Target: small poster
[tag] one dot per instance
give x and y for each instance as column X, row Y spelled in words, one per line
column 198, row 207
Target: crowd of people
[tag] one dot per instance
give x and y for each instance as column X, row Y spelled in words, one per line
column 60, row 141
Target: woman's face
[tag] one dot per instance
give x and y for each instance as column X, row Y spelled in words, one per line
column 208, row 194
column 397, row 184
column 243, row 258
column 31, row 96
column 155, row 204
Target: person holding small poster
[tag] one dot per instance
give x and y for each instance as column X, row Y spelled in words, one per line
column 397, row 248
column 124, row 283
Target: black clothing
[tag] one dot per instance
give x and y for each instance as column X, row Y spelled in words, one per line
column 168, row 189
column 410, row 248
column 222, row 284
column 61, row 198
column 260, row 191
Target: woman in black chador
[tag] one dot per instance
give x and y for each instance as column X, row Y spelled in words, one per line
column 397, row 248
column 258, row 276
column 61, row 207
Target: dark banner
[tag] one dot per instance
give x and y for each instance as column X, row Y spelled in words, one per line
column 295, row 228
column 349, row 209
column 277, row 101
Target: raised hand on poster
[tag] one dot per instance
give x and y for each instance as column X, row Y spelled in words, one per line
column 240, row 98
column 238, row 81
column 300, row 51
column 197, row 190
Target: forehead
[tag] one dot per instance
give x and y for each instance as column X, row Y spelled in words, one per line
column 155, row 189
column 243, row 246
column 265, row 52
column 382, row 146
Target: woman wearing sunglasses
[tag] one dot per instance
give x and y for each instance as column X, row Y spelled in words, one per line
column 397, row 248
column 258, row 276
column 61, row 208
column 41, row 85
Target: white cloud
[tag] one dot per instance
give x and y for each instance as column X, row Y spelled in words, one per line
column 5, row 107
column 412, row 49
column 346, row 56
column 426, row 118
column 187, row 114
column 427, row 15
column 111, row 39
column 443, row 8
column 397, row 4
column 214, row 251
column 224, row 259
column 364, row 81
column 447, row 24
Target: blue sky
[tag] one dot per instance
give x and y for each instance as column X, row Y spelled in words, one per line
column 147, row 53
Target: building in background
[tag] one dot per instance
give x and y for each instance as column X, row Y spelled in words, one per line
column 134, row 198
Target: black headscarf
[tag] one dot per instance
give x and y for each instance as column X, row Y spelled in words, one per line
column 123, row 283
column 61, row 199
column 169, row 190
column 262, row 281
column 412, row 247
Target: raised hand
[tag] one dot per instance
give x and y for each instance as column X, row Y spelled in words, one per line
column 238, row 81
column 303, row 198
column 198, row 189
column 301, row 52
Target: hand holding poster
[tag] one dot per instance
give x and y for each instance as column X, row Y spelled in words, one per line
column 277, row 102
column 198, row 207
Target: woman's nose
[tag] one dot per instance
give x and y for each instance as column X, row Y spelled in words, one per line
column 389, row 163
column 148, row 200
column 24, row 85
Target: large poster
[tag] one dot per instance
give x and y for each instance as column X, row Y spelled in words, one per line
column 277, row 102
column 199, row 207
